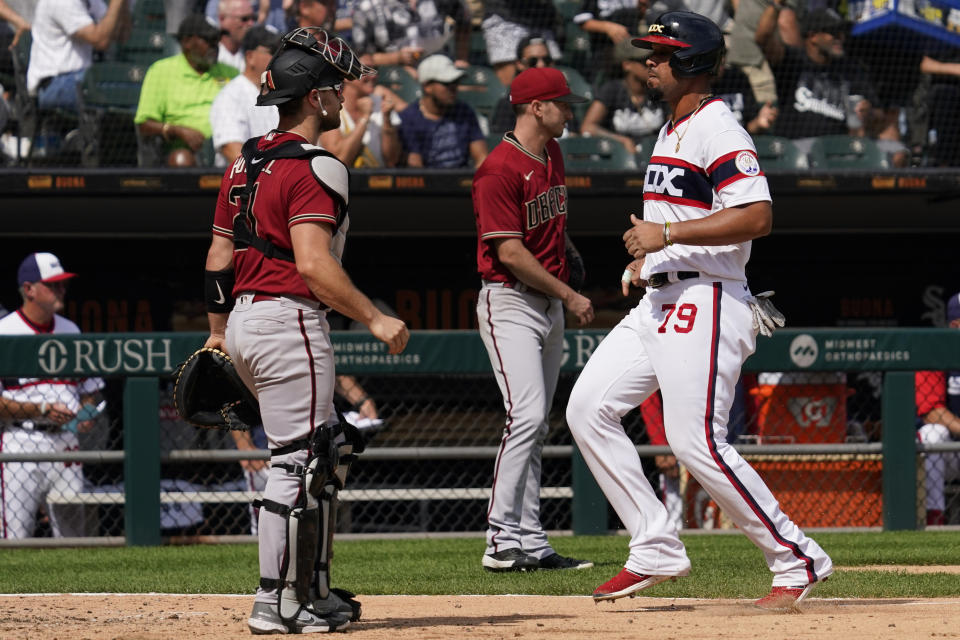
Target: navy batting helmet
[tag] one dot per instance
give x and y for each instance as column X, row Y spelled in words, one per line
column 700, row 41
column 308, row 58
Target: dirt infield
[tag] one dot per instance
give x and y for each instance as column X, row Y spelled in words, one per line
column 165, row 617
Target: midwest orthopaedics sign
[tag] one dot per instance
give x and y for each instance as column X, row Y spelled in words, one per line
column 106, row 356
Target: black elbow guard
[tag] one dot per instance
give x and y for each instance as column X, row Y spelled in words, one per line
column 218, row 290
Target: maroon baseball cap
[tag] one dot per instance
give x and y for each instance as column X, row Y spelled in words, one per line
column 542, row 83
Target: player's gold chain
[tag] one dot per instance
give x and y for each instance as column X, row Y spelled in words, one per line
column 687, row 128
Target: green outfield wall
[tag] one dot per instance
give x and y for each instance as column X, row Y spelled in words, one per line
column 143, row 358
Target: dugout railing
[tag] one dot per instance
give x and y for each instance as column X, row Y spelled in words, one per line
column 893, row 464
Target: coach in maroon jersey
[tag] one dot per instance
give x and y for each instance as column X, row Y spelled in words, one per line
column 275, row 266
column 525, row 258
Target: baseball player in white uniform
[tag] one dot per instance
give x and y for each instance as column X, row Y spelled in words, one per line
column 39, row 414
column 278, row 237
column 705, row 199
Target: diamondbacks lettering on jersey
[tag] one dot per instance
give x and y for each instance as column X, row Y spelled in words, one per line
column 546, row 206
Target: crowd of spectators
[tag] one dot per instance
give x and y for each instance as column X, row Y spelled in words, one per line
column 792, row 70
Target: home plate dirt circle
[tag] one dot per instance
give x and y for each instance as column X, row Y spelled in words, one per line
column 219, row 617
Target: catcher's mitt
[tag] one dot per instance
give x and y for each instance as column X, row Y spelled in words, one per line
column 209, row 393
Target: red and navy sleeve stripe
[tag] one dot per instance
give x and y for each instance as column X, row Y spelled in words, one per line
column 724, row 171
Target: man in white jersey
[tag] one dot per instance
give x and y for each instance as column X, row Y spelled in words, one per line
column 39, row 415
column 705, row 199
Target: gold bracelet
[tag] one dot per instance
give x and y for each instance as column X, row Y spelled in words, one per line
column 666, row 235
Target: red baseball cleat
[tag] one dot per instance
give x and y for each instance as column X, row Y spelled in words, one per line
column 626, row 583
column 784, row 598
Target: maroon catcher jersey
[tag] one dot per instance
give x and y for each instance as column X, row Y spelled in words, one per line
column 287, row 193
column 517, row 194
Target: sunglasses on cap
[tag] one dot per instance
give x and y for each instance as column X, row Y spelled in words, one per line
column 533, row 60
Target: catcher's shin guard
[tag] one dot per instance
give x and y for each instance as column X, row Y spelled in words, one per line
column 307, row 521
column 303, row 527
column 348, row 442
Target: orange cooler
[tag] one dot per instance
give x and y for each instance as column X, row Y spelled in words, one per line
column 800, row 407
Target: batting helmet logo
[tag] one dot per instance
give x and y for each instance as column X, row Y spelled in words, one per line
column 699, row 42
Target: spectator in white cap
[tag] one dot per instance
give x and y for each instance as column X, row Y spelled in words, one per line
column 439, row 131
column 43, row 415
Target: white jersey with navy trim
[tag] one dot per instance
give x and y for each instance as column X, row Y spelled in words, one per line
column 703, row 163
column 688, row 338
column 38, row 390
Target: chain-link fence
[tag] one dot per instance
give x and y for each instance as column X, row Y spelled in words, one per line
column 863, row 84
column 70, row 446
column 814, row 437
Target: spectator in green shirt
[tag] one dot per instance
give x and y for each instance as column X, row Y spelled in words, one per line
column 174, row 110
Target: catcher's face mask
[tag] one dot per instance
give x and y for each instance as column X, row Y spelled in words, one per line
column 308, row 58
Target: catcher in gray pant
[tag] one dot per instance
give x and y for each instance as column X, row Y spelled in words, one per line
column 278, row 237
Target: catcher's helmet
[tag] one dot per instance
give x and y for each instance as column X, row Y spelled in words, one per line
column 700, row 41
column 308, row 58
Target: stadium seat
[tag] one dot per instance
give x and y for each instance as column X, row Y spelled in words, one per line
column 113, row 86
column 576, row 48
column 645, row 150
column 24, row 108
column 150, row 14
column 147, row 45
column 567, row 9
column 108, row 100
column 481, row 89
column 206, row 154
column 580, row 87
column 42, row 127
column 478, row 48
column 846, row 152
column 400, row 81
column 581, row 153
column 779, row 154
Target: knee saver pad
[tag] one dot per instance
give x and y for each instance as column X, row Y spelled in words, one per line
column 322, row 460
column 349, row 443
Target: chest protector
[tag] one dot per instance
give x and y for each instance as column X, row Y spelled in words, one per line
column 325, row 171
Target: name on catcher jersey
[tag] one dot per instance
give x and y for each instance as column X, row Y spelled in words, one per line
column 714, row 167
column 288, row 192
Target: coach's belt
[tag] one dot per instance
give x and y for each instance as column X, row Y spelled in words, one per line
column 658, row 280
column 519, row 287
